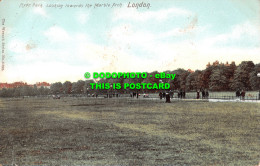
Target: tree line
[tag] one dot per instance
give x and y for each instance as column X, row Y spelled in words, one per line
column 217, row 76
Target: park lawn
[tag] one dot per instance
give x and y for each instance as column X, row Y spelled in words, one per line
column 89, row 131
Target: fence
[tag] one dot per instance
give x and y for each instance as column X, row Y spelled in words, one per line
column 154, row 97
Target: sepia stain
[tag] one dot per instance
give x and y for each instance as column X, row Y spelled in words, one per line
column 191, row 25
column 171, row 63
column 30, row 46
column 112, row 61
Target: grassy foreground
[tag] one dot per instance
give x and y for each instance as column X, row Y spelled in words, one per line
column 119, row 132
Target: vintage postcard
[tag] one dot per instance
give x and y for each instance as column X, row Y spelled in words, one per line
column 143, row 82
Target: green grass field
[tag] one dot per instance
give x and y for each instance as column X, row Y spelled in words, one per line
column 89, row 131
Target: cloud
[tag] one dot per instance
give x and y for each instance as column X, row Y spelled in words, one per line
column 187, row 53
column 68, row 61
column 17, row 46
column 126, row 35
column 57, row 34
column 135, row 15
column 246, row 28
column 82, row 17
column 40, row 11
column 239, row 33
column 44, row 71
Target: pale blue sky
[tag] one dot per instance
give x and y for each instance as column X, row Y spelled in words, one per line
column 48, row 44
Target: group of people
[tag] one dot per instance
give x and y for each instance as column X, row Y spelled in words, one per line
column 181, row 93
column 241, row 94
column 134, row 94
column 166, row 95
column 109, row 95
column 204, row 94
column 162, row 95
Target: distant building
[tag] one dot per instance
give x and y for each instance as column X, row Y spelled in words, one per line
column 43, row 84
column 4, row 85
column 12, row 85
column 20, row 84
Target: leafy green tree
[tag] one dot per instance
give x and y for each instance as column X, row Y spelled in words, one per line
column 193, row 81
column 218, row 79
column 242, row 75
column 67, row 87
column 229, row 71
column 35, row 91
column 17, row 92
column 26, row 91
column 47, row 91
column 4, row 93
column 56, row 88
column 41, row 90
column 87, row 88
column 254, row 80
column 78, row 87
column 180, row 79
column 149, row 79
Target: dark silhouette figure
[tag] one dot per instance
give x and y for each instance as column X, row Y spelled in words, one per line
column 181, row 94
column 203, row 94
column 184, row 94
column 164, row 94
column 168, row 99
column 238, row 93
column 198, row 94
column 134, row 94
column 160, row 95
column 207, row 94
column 243, row 94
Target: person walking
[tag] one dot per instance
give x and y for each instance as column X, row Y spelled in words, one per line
column 207, row 94
column 198, row 94
column 237, row 93
column 168, row 99
column 179, row 94
column 243, row 94
column 203, row 94
column 160, row 95
column 184, row 93
column 164, row 94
